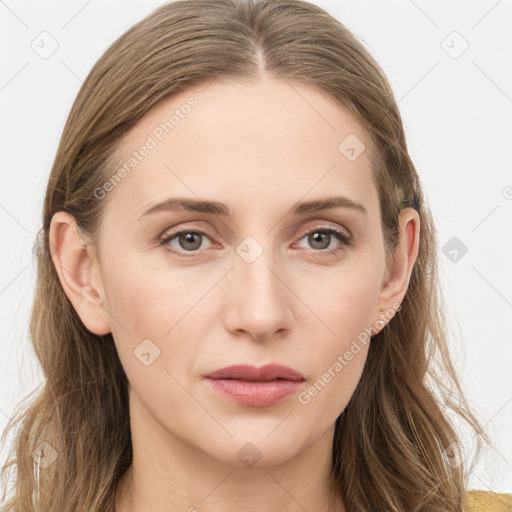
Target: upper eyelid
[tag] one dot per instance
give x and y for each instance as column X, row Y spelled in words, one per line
column 326, row 226
column 171, row 233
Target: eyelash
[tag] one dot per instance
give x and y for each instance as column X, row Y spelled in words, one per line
column 345, row 240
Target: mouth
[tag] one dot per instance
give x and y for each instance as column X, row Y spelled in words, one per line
column 255, row 387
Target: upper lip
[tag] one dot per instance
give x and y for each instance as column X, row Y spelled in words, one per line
column 267, row 372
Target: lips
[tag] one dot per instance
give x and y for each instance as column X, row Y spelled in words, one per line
column 255, row 387
column 249, row 373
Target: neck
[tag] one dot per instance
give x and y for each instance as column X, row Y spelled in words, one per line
column 168, row 474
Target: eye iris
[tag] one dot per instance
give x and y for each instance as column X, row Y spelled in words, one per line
column 188, row 238
column 319, row 236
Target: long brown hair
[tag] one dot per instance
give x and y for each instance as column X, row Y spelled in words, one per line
column 393, row 444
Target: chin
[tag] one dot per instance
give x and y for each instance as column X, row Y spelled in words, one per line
column 262, row 450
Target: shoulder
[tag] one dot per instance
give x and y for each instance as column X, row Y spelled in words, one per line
column 488, row 501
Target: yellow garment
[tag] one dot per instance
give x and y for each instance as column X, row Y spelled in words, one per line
column 487, row 501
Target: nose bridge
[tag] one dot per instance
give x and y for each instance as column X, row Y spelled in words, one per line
column 258, row 299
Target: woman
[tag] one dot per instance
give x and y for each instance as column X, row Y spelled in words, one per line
column 237, row 302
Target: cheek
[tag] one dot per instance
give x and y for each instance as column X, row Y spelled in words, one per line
column 154, row 330
column 144, row 296
column 342, row 300
column 327, row 396
column 158, row 313
column 345, row 305
column 338, row 357
column 141, row 307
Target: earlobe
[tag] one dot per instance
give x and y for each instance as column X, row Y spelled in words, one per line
column 76, row 266
column 395, row 287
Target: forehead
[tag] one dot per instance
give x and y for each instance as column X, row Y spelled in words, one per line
column 258, row 142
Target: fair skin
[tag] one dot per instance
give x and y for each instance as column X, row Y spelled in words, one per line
column 260, row 148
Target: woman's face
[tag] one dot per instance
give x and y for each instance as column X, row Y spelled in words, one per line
column 267, row 283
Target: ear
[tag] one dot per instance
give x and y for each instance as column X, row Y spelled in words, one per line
column 78, row 269
column 398, row 274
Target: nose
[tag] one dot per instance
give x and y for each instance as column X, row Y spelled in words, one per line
column 257, row 300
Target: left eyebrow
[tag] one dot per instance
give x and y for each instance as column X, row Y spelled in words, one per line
column 217, row 208
column 326, row 204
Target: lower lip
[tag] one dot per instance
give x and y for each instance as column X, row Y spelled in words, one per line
column 256, row 394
